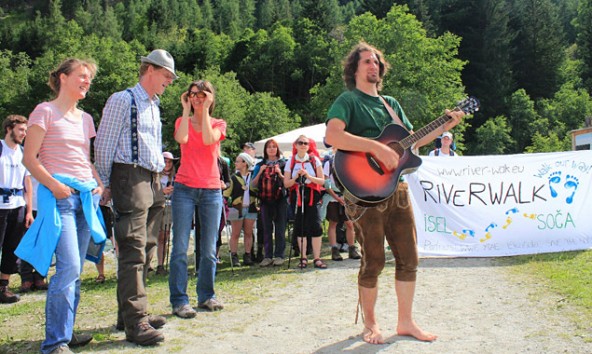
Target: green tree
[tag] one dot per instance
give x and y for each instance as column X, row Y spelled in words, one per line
column 493, row 137
column 538, row 47
column 550, row 143
column 425, row 73
column 584, row 41
column 14, row 84
column 521, row 115
column 325, row 13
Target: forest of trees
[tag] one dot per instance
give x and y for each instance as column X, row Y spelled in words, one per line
column 276, row 64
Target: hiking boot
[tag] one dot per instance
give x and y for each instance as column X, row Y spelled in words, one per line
column 247, row 259
column 154, row 320
column 161, row 271
column 278, row 261
column 234, row 260
column 211, row 304
column 353, row 252
column 184, row 311
column 143, row 334
column 26, row 286
column 335, row 254
column 62, row 349
column 266, row 262
column 79, row 340
column 6, row 296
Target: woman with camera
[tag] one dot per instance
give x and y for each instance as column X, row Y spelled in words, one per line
column 303, row 176
column 197, row 186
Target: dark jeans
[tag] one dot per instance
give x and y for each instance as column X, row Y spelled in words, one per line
column 274, row 214
column 12, row 229
column 139, row 204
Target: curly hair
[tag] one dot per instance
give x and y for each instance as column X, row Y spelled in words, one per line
column 350, row 64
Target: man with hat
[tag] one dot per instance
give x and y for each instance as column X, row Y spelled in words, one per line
column 128, row 152
column 445, row 148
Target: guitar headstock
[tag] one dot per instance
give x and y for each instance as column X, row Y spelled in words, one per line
column 469, row 105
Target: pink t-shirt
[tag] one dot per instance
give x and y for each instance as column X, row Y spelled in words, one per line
column 66, row 146
column 199, row 162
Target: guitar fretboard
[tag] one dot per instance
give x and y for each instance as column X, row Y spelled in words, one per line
column 415, row 137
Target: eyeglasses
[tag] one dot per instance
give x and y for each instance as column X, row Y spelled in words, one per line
column 302, row 142
column 199, row 94
column 167, row 74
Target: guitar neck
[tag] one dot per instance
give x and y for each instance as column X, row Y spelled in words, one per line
column 416, row 136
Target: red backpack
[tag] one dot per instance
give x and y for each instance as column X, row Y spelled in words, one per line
column 271, row 185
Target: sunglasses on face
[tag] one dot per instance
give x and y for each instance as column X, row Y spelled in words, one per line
column 302, row 142
column 199, row 94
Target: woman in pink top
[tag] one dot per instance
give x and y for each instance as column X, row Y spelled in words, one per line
column 58, row 142
column 197, row 187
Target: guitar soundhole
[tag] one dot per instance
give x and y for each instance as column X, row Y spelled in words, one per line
column 395, row 146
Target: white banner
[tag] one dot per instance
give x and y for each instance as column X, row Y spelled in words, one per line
column 502, row 205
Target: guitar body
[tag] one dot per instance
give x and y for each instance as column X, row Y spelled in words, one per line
column 367, row 181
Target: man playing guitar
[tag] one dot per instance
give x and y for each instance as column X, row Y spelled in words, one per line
column 355, row 117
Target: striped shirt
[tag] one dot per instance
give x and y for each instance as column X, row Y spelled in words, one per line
column 66, row 146
column 114, row 143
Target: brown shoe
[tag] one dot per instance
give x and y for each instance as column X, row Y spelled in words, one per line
column 154, row 320
column 353, row 253
column 79, row 340
column 6, row 296
column 143, row 334
column 26, row 287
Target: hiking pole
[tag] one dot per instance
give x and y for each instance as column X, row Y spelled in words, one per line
column 228, row 228
column 303, row 253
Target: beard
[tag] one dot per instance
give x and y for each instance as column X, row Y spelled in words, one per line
column 15, row 138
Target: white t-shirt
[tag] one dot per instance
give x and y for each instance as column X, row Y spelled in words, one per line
column 433, row 153
column 12, row 175
column 307, row 165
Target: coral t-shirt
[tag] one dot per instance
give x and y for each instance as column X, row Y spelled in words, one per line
column 199, row 162
column 66, row 146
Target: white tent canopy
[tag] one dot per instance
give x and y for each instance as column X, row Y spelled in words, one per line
column 285, row 140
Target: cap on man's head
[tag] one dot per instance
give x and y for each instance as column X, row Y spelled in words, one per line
column 168, row 155
column 162, row 58
column 447, row 134
column 249, row 145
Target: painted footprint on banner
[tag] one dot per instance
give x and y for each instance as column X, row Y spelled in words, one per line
column 571, row 183
column 460, row 236
column 509, row 219
column 469, row 232
column 554, row 178
column 487, row 233
column 529, row 216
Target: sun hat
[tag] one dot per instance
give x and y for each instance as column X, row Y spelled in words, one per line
column 162, row 58
column 168, row 155
column 247, row 158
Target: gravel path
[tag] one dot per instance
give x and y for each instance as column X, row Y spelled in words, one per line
column 474, row 306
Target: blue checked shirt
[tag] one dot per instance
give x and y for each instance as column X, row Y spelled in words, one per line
column 113, row 143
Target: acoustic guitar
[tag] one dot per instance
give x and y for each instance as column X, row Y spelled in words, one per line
column 366, row 181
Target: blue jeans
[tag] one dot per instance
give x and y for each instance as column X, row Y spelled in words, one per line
column 63, row 294
column 209, row 207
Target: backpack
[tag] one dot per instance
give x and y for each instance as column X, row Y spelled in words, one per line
column 271, row 185
column 437, row 152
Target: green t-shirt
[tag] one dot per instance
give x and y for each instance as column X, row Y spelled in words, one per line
column 365, row 115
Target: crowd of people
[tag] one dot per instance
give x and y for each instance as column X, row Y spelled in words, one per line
column 136, row 194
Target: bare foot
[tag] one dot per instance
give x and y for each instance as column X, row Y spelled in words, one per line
column 413, row 330
column 372, row 335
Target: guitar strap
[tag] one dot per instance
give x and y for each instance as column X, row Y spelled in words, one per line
column 392, row 113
